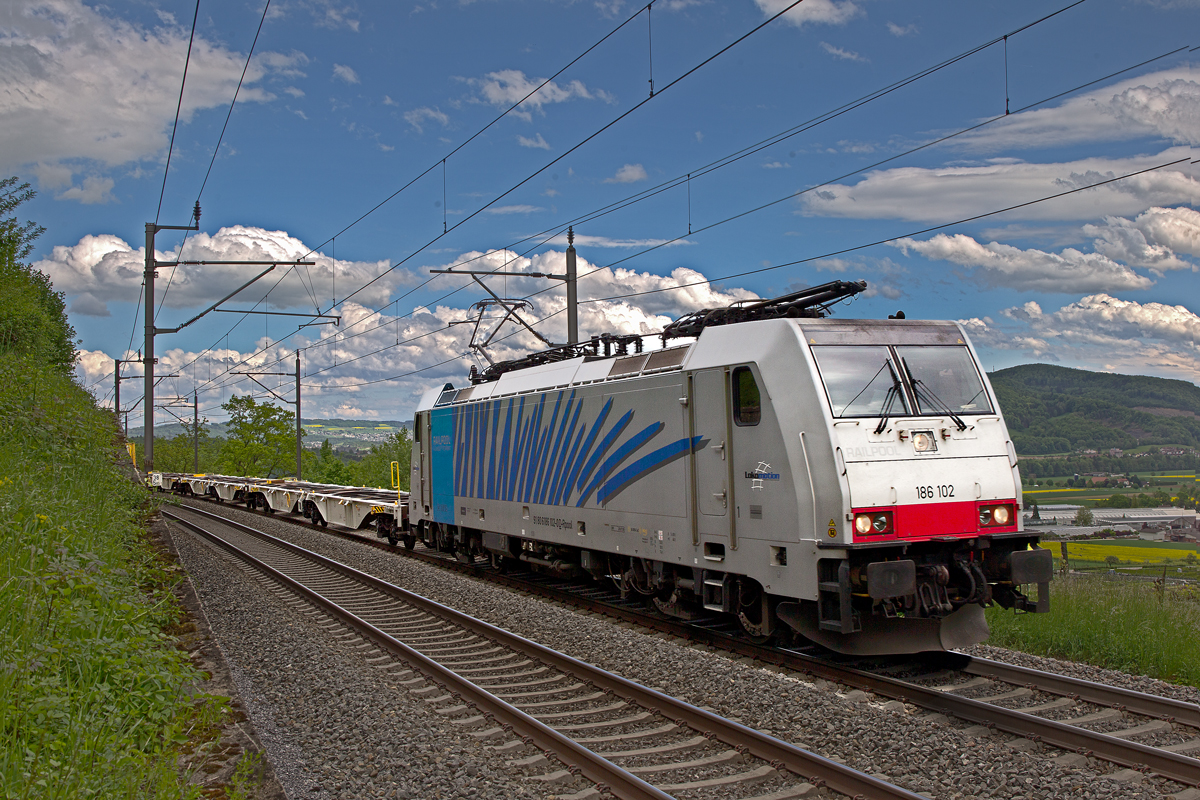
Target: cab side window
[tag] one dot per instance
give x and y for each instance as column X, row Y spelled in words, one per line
column 747, row 403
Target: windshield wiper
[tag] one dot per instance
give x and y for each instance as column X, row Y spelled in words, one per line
column 890, row 398
column 924, row 391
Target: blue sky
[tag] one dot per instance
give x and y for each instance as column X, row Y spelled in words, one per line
column 346, row 102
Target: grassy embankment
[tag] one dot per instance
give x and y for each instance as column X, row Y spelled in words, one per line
column 94, row 699
column 1133, row 626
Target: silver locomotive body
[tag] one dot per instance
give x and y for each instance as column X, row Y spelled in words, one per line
column 851, row 481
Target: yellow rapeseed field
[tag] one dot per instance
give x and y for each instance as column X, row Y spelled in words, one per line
column 1096, row 551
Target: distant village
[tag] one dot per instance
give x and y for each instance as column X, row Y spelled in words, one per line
column 1167, row 524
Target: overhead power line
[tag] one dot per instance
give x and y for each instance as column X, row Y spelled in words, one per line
column 179, row 106
column 546, row 166
column 341, row 339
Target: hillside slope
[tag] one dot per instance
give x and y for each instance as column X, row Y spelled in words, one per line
column 1051, row 409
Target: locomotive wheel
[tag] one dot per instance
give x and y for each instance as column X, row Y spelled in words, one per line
column 410, row 541
column 393, row 541
column 754, row 611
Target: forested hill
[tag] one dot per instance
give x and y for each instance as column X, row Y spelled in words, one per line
column 1053, row 409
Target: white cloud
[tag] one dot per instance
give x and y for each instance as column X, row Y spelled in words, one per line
column 516, row 209
column 1029, row 270
column 1163, row 104
column 776, row 165
column 293, row 91
column 538, row 143
column 364, row 348
column 829, row 12
column 507, row 86
column 104, row 268
column 1101, row 332
column 388, row 101
column 583, row 240
column 630, row 173
column 344, row 73
column 901, row 30
column 82, row 84
column 1152, row 240
column 944, row 194
column 94, row 190
column 418, row 116
column 837, row 52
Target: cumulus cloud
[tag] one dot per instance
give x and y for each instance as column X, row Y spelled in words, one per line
column 837, row 52
column 1152, row 240
column 1029, row 270
column 1163, row 104
column 83, row 84
column 516, row 209
column 507, row 86
column 630, row 173
column 828, row 12
column 94, row 190
column 583, row 240
column 901, row 30
column 539, row 142
column 418, row 116
column 1101, row 332
column 947, row 193
column 344, row 73
column 433, row 347
column 104, row 268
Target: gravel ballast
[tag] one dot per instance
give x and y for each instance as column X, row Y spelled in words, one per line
column 333, row 725
column 306, row 727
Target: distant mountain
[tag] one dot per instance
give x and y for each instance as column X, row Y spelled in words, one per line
column 1052, row 409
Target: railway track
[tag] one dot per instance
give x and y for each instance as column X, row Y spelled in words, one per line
column 629, row 740
column 1036, row 706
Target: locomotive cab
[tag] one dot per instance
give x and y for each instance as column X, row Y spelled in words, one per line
column 931, row 529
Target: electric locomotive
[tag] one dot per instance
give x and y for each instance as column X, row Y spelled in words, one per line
column 848, row 481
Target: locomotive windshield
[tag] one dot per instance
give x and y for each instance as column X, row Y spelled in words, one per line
column 860, row 381
column 945, row 379
column 877, row 380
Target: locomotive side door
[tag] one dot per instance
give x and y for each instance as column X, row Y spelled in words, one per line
column 423, row 435
column 711, row 465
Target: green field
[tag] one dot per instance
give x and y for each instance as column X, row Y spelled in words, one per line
column 1138, row 627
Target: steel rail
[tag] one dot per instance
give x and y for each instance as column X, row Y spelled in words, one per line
column 1115, row 697
column 595, row 768
column 1110, row 748
column 780, row 754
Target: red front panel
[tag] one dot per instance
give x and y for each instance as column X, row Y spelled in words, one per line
column 926, row 520
column 936, row 519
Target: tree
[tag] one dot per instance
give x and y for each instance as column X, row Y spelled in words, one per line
column 1084, row 517
column 33, row 317
column 329, row 468
column 376, row 467
column 177, row 454
column 262, row 439
column 1112, row 561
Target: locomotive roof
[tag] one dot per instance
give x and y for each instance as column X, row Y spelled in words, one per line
column 583, row 370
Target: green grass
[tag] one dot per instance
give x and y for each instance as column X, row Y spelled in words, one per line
column 1133, row 626
column 94, row 699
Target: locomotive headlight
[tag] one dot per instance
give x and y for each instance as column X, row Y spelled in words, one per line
column 993, row 516
column 923, row 441
column 873, row 523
